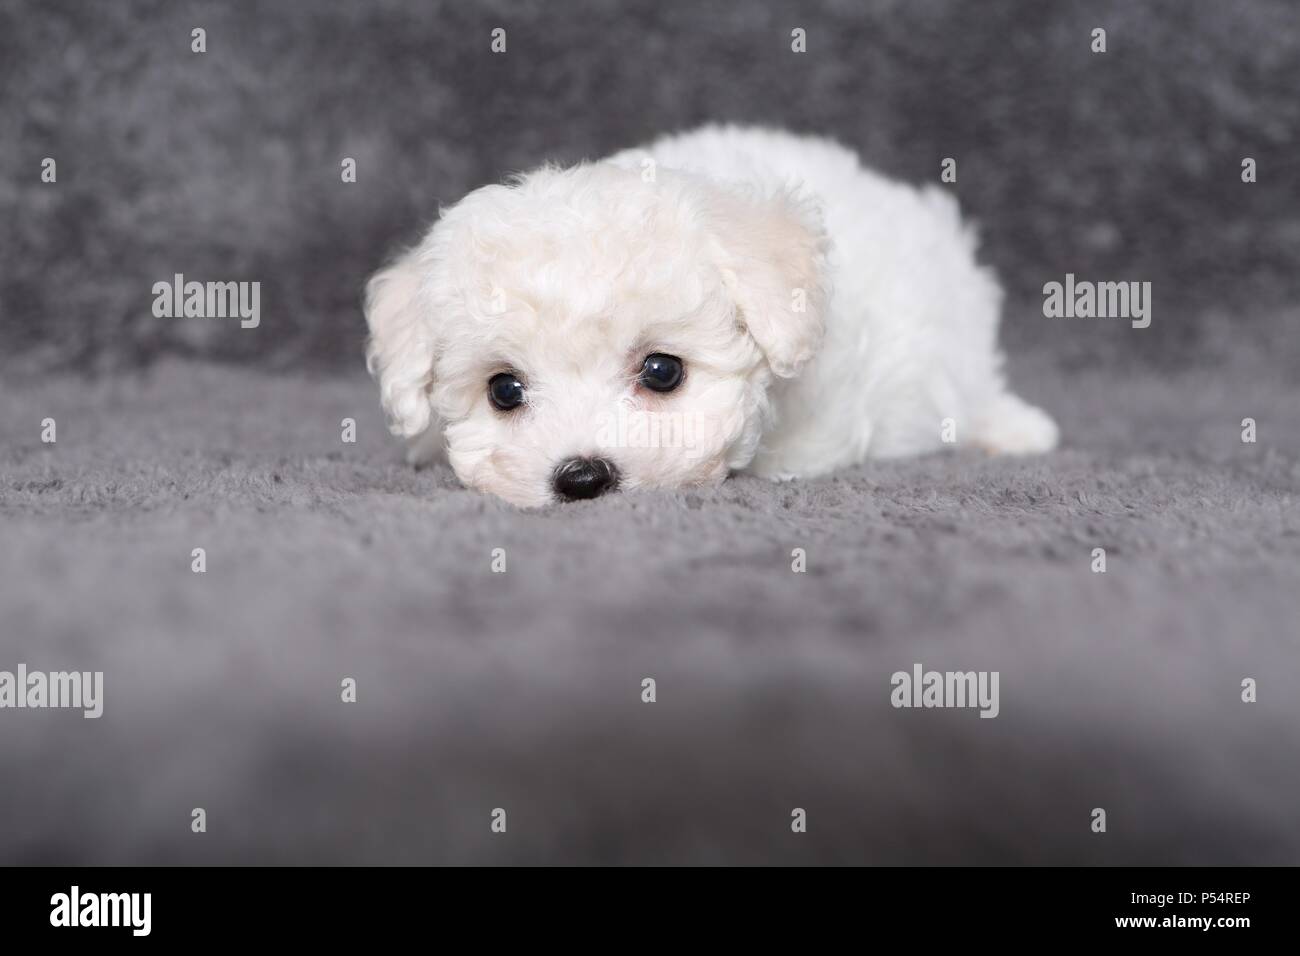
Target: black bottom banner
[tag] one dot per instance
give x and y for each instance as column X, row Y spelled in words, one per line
column 335, row 905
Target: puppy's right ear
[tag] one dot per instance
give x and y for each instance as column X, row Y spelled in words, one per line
column 400, row 350
column 771, row 249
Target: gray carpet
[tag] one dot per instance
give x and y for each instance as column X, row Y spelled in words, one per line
column 522, row 690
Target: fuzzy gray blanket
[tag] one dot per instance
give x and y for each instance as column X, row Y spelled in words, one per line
column 523, row 690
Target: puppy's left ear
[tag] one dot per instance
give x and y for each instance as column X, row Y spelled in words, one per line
column 400, row 351
column 772, row 253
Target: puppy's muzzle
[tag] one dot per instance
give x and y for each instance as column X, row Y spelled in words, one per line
column 584, row 478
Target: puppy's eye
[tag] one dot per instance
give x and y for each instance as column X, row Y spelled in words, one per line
column 661, row 373
column 506, row 391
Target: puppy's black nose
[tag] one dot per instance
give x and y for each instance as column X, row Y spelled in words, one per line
column 585, row 478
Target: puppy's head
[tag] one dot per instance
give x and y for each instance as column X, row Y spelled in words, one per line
column 583, row 330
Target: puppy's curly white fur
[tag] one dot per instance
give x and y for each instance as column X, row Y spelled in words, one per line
column 758, row 297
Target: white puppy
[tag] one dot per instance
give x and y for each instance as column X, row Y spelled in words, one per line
column 725, row 300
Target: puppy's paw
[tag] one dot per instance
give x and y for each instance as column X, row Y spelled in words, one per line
column 1012, row 426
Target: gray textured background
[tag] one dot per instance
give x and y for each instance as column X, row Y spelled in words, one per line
column 522, row 690
column 226, row 165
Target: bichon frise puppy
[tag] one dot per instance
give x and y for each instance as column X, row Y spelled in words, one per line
column 724, row 300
